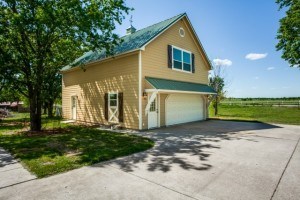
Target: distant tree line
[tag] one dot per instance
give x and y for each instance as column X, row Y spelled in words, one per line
column 262, row 99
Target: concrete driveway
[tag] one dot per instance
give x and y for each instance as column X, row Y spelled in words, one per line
column 202, row 160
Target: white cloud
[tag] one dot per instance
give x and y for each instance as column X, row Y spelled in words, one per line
column 220, row 62
column 255, row 56
column 270, row 68
column 256, row 77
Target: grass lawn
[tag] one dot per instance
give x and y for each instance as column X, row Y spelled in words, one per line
column 280, row 115
column 72, row 147
column 20, row 121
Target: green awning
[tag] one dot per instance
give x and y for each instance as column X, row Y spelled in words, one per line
column 165, row 84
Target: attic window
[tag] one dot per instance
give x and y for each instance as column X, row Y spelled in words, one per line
column 181, row 32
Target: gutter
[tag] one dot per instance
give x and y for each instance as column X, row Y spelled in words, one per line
column 177, row 91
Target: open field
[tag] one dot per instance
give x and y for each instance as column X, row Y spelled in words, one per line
column 62, row 147
column 279, row 102
column 268, row 114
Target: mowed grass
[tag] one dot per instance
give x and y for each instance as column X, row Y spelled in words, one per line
column 51, row 152
column 21, row 121
column 268, row 114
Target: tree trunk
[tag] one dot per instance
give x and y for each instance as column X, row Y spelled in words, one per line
column 216, row 106
column 45, row 109
column 50, row 109
column 35, row 112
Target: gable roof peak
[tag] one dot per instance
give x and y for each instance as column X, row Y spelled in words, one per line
column 130, row 42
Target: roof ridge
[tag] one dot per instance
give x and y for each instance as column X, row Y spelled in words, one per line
column 176, row 16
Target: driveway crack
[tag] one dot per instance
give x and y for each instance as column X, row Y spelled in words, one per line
column 7, row 186
column 285, row 169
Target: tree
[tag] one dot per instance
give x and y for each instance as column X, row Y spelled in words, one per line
column 38, row 37
column 8, row 93
column 217, row 82
column 53, row 91
column 289, row 32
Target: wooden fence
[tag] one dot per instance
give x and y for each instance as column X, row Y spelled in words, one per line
column 263, row 103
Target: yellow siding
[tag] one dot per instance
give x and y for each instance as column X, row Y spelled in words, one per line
column 155, row 60
column 118, row 75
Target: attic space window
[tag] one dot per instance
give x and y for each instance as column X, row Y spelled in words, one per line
column 182, row 60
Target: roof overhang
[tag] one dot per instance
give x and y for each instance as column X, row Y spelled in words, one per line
column 121, row 55
column 173, row 86
column 176, row 91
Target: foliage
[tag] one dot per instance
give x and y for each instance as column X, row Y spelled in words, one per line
column 289, row 32
column 267, row 114
column 38, row 37
column 72, row 147
column 9, row 93
column 52, row 91
column 217, row 82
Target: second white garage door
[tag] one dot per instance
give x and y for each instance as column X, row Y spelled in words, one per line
column 182, row 108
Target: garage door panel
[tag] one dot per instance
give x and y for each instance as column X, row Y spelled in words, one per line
column 182, row 108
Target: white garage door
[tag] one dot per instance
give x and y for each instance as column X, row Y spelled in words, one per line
column 181, row 108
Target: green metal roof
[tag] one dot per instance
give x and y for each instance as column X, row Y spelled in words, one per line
column 165, row 84
column 130, row 42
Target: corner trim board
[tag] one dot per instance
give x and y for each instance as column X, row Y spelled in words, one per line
column 140, row 91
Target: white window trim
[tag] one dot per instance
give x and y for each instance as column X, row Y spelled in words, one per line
column 182, row 50
column 117, row 105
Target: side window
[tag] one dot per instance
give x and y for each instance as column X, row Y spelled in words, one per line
column 177, row 59
column 113, row 107
column 153, row 106
column 113, row 98
column 182, row 60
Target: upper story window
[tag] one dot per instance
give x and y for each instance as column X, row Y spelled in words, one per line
column 182, row 59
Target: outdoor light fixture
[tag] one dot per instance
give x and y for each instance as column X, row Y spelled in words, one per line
column 145, row 94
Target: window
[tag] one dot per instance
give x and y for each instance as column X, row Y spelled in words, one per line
column 113, row 98
column 113, row 107
column 153, row 106
column 182, row 60
column 181, row 32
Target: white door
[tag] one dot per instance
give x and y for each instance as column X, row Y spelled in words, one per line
column 153, row 115
column 182, row 108
column 73, row 106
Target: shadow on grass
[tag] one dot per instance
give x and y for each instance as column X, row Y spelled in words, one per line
column 10, row 126
column 77, row 146
column 187, row 146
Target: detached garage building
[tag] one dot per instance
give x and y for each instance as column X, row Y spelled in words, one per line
column 157, row 77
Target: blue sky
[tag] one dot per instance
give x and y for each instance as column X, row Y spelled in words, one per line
column 229, row 31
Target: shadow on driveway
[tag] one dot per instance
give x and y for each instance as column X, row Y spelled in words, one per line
column 5, row 158
column 188, row 146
